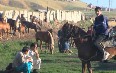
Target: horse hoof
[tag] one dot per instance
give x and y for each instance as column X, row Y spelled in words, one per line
column 106, row 61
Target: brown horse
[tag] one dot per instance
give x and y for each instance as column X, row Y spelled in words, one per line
column 5, row 28
column 87, row 52
column 21, row 30
column 31, row 25
column 46, row 37
column 15, row 25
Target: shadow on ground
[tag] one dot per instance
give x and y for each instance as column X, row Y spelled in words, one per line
column 106, row 66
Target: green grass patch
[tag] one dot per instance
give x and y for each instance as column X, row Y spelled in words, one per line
column 56, row 63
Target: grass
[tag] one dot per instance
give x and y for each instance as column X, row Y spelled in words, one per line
column 56, row 63
column 52, row 4
column 110, row 14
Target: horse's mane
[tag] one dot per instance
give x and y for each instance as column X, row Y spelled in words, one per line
column 81, row 30
column 51, row 39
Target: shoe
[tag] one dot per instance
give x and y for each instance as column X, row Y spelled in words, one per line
column 35, row 71
column 106, row 55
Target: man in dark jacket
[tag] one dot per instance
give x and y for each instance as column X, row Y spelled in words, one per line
column 60, row 34
column 101, row 31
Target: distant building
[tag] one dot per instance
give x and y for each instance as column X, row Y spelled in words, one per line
column 91, row 6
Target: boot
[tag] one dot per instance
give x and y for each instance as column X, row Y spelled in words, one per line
column 106, row 55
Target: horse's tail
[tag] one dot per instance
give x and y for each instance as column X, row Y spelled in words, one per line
column 51, row 40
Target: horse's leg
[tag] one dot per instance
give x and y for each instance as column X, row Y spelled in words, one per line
column 51, row 48
column 19, row 31
column 71, row 42
column 89, row 67
column 19, row 34
column 46, row 47
column 7, row 33
column 41, row 45
column 84, row 67
column 23, row 32
column 28, row 30
column 10, row 29
column 1, row 35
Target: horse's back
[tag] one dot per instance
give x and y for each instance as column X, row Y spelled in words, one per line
column 11, row 22
column 4, row 25
column 111, row 50
column 43, row 36
column 28, row 24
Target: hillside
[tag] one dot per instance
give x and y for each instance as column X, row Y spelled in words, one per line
column 41, row 4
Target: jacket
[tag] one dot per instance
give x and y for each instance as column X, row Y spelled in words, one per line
column 101, row 25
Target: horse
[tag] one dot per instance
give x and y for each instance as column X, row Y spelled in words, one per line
column 45, row 36
column 12, row 24
column 87, row 51
column 4, row 28
column 16, row 25
column 31, row 25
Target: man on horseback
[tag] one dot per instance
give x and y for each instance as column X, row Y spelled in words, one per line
column 22, row 18
column 101, row 31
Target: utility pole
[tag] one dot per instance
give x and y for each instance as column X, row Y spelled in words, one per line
column 47, row 5
column 109, row 6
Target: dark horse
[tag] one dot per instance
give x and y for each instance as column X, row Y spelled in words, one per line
column 16, row 25
column 87, row 52
column 30, row 25
column 12, row 24
column 45, row 36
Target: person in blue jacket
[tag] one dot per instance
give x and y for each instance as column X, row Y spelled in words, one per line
column 100, row 30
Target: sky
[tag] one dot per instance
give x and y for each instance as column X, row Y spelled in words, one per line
column 104, row 3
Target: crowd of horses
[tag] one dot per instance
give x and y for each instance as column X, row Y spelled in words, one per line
column 10, row 27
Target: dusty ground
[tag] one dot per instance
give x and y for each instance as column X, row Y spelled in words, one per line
column 27, row 36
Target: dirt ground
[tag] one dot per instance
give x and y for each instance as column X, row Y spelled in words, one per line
column 27, row 36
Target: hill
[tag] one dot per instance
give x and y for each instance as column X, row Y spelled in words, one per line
column 41, row 4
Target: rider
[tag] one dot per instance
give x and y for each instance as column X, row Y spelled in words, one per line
column 101, row 31
column 22, row 18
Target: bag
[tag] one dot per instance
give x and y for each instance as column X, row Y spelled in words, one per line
column 9, row 67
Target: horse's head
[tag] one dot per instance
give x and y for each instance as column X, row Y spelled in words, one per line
column 38, row 27
column 4, row 19
column 67, row 30
column 78, row 32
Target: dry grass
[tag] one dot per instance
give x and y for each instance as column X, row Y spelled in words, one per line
column 44, row 3
column 61, row 5
column 3, row 7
